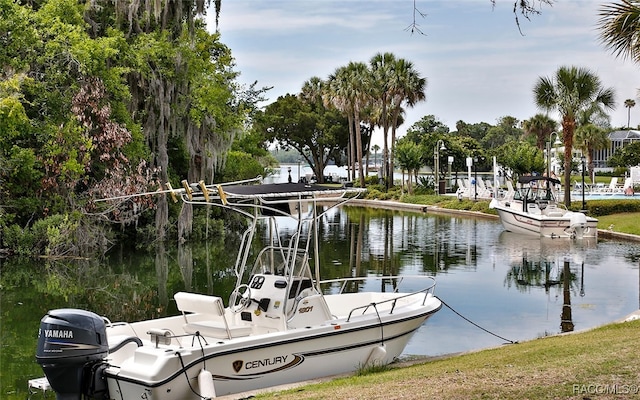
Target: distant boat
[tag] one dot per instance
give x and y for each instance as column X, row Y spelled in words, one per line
column 533, row 209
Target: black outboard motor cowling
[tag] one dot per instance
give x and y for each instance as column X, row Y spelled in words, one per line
column 70, row 342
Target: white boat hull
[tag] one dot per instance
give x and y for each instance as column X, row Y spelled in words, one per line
column 261, row 361
column 515, row 220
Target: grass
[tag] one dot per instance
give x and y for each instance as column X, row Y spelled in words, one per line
column 624, row 223
column 601, row 363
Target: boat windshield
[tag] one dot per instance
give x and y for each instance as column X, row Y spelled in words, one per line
column 540, row 193
column 533, row 193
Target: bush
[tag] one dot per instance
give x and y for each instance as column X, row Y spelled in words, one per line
column 17, row 240
column 422, row 190
column 59, row 235
column 372, row 180
column 597, row 208
column 373, row 193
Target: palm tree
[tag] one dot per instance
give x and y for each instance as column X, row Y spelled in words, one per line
column 395, row 82
column 541, row 126
column 312, row 90
column 407, row 87
column 570, row 91
column 337, row 94
column 381, row 70
column 370, row 117
column 409, row 156
column 359, row 81
column 375, row 149
column 619, row 27
column 628, row 103
column 349, row 92
column 589, row 138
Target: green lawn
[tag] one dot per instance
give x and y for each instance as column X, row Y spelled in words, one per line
column 602, row 363
column 624, row 223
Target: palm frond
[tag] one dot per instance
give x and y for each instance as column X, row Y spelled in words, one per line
column 619, row 26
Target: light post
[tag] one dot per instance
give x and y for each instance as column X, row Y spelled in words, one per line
column 449, row 161
column 475, row 178
column 584, row 205
column 436, row 163
column 555, row 144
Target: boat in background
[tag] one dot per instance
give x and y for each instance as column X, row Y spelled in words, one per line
column 282, row 324
column 534, row 210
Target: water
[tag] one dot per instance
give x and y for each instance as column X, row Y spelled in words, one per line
column 603, row 196
column 511, row 285
column 515, row 288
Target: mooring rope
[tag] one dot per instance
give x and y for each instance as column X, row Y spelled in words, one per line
column 476, row 325
column 375, row 307
column 177, row 353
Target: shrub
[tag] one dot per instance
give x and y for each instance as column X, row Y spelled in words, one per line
column 605, row 207
column 17, row 240
column 59, row 235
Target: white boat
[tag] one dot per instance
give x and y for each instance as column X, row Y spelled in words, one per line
column 534, row 210
column 282, row 323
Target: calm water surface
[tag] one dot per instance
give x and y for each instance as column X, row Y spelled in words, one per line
column 514, row 286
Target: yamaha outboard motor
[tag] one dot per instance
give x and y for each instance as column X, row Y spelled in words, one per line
column 70, row 343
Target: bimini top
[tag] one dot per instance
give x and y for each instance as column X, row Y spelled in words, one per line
column 284, row 199
column 278, row 198
column 531, row 178
column 280, row 190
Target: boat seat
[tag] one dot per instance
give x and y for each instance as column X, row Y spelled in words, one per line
column 214, row 324
column 532, row 208
column 554, row 211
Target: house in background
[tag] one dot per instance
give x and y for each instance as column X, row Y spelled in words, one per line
column 618, row 139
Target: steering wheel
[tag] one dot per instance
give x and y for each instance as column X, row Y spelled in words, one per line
column 240, row 298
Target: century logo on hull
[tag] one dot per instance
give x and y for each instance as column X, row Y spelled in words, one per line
column 266, row 362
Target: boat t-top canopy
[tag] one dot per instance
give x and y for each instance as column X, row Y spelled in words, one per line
column 279, row 190
column 531, row 178
column 285, row 199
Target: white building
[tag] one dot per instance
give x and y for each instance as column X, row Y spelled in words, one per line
column 618, row 139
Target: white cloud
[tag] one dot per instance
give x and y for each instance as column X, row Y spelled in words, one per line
column 478, row 65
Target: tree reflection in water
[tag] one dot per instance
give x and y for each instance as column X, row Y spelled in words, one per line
column 477, row 266
column 566, row 322
column 541, row 267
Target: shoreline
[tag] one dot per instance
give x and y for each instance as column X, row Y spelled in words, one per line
column 399, row 206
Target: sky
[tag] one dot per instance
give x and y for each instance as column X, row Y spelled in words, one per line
column 479, row 67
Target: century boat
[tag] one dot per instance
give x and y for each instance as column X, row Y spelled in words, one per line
column 282, row 323
column 534, row 210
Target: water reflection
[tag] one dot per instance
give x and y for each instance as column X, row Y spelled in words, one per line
column 162, row 274
column 545, row 263
column 545, row 249
column 518, row 287
column 566, row 321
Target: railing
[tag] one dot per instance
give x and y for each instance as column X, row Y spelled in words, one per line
column 430, row 289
